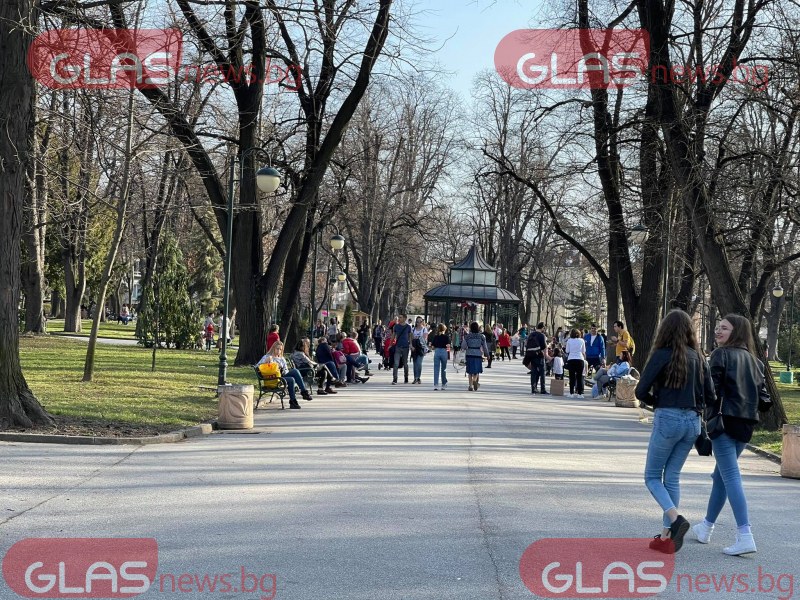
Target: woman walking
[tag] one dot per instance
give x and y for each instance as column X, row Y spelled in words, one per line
column 741, row 392
column 441, row 352
column 504, row 343
column 575, row 351
column 419, row 346
column 476, row 348
column 677, row 383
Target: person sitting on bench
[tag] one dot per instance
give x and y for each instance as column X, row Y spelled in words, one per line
column 615, row 371
column 292, row 376
column 303, row 363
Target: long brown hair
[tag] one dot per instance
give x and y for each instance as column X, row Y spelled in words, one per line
column 676, row 331
column 742, row 334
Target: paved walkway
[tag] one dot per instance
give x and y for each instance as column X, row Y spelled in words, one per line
column 390, row 492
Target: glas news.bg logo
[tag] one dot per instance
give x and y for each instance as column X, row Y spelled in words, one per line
column 81, row 567
column 65, row 59
column 572, row 58
column 595, row 568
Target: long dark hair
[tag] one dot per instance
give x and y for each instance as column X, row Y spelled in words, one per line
column 742, row 334
column 676, row 331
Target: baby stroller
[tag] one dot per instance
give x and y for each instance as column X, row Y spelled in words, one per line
column 389, row 361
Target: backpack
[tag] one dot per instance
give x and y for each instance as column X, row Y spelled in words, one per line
column 270, row 370
column 339, row 357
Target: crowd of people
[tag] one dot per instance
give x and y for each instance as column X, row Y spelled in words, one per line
column 685, row 389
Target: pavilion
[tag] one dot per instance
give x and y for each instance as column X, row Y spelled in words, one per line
column 471, row 294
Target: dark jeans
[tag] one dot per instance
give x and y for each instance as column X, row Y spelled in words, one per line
column 504, row 352
column 400, row 354
column 514, row 351
column 575, row 367
column 378, row 345
column 293, row 376
column 537, row 374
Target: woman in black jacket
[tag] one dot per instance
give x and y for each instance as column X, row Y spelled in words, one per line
column 741, row 392
column 677, row 383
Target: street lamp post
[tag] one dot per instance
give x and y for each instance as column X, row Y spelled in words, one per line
column 778, row 292
column 268, row 180
column 337, row 242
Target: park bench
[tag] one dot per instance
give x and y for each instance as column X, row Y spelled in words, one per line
column 274, row 386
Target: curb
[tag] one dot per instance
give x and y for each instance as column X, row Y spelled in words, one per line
column 764, row 453
column 166, row 438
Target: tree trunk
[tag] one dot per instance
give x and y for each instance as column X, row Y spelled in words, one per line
column 18, row 405
column 75, row 290
column 773, row 326
column 111, row 256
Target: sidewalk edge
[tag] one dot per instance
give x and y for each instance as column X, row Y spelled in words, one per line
column 165, row 438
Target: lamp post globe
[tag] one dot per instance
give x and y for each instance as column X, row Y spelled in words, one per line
column 337, row 242
column 777, row 291
column 341, row 277
column 268, row 179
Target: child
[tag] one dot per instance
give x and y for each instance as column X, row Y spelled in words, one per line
column 558, row 364
column 514, row 345
column 209, row 335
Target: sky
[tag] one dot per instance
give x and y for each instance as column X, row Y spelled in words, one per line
column 469, row 31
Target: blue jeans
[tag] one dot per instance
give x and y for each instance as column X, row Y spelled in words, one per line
column 537, row 374
column 439, row 364
column 674, row 433
column 418, row 366
column 727, row 481
column 293, row 376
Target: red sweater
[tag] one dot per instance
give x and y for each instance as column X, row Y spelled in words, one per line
column 272, row 337
column 350, row 346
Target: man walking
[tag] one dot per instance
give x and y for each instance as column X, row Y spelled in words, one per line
column 401, row 336
column 536, row 347
column 377, row 337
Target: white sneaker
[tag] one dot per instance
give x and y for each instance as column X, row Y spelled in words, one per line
column 435, row 389
column 745, row 544
column 703, row 532
column 580, row 396
column 569, row 395
column 444, row 387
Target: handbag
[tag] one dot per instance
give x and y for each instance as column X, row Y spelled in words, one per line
column 715, row 425
column 709, row 430
column 703, row 443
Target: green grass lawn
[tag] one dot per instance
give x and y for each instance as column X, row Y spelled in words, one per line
column 790, row 395
column 107, row 330
column 125, row 392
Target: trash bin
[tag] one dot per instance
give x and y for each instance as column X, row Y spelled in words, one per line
column 787, row 376
column 235, row 406
column 790, row 454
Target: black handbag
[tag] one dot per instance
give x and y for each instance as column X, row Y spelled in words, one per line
column 703, row 443
column 715, row 425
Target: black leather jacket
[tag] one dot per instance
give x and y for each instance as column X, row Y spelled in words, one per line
column 739, row 382
column 696, row 393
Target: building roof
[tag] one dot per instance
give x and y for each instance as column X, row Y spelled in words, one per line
column 473, row 260
column 477, row 293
